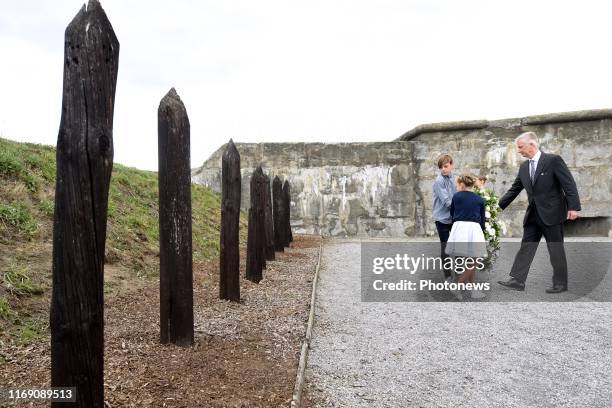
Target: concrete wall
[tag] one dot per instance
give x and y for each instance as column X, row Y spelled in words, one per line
column 384, row 189
column 583, row 139
column 363, row 189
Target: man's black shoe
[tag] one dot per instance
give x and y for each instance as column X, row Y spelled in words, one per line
column 556, row 289
column 513, row 283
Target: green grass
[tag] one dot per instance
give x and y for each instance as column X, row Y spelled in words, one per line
column 5, row 309
column 109, row 287
column 30, row 330
column 27, row 162
column 132, row 225
column 9, row 164
column 17, row 281
column 46, row 207
column 27, row 185
column 17, row 216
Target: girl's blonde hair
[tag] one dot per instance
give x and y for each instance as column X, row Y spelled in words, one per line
column 467, row 180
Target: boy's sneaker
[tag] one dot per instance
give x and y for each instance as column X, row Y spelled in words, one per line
column 449, row 279
column 477, row 294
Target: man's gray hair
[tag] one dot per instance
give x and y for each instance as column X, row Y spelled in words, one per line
column 528, row 137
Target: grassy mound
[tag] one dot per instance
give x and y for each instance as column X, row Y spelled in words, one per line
column 27, row 184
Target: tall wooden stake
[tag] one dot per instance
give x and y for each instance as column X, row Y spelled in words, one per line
column 268, row 221
column 287, row 213
column 256, row 242
column 278, row 209
column 175, row 256
column 229, row 276
column 84, row 166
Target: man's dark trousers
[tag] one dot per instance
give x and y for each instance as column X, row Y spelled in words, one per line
column 533, row 231
column 443, row 233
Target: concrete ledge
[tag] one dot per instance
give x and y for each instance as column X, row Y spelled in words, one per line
column 576, row 116
column 443, row 127
column 561, row 117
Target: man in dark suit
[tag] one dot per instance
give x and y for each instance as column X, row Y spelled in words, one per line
column 553, row 198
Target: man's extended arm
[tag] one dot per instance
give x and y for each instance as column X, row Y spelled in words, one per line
column 511, row 194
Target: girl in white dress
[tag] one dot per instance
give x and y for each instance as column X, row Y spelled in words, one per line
column 466, row 238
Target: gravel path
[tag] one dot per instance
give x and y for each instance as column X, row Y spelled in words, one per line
column 451, row 354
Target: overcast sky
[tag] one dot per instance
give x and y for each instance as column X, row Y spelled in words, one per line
column 315, row 71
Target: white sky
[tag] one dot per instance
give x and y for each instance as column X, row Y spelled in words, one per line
column 315, row 71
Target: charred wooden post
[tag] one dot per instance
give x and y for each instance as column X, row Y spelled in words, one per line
column 261, row 214
column 287, row 213
column 229, row 276
column 252, row 266
column 175, row 256
column 278, row 209
column 269, row 222
column 84, row 166
column 256, row 242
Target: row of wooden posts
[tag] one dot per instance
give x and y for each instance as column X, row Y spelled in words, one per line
column 84, row 167
column 269, row 226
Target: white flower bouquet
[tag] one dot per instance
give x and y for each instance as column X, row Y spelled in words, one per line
column 494, row 228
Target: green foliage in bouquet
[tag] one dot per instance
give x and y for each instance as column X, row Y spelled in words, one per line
column 493, row 226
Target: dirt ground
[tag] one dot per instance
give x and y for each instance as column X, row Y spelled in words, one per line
column 244, row 354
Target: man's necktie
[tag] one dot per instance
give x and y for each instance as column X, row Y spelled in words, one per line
column 531, row 170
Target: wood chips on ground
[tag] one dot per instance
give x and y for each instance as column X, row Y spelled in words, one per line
column 244, row 354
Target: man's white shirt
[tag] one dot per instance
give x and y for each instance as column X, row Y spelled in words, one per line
column 536, row 159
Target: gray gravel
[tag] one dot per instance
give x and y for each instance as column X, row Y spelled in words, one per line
column 434, row 354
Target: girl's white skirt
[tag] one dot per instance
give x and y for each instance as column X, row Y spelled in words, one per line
column 466, row 239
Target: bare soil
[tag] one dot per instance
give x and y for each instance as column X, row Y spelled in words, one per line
column 244, row 354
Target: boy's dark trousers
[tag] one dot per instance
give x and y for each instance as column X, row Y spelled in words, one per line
column 443, row 232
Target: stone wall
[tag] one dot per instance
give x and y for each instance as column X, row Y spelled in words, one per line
column 384, row 189
column 583, row 139
column 346, row 189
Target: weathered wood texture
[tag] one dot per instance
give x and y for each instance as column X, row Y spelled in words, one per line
column 84, row 166
column 229, row 264
column 175, row 255
column 256, row 241
column 278, row 211
column 269, row 222
column 287, row 213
